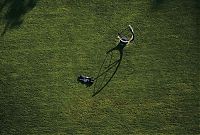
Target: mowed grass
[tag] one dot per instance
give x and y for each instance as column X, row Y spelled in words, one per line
column 155, row 90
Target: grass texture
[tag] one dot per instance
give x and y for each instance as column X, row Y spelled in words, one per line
column 46, row 44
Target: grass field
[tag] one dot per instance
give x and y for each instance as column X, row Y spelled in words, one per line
column 46, row 44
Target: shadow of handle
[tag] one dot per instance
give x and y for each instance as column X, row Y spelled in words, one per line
column 108, row 80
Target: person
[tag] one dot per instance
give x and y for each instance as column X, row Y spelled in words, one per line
column 123, row 41
column 88, row 81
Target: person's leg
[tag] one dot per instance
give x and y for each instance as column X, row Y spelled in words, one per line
column 115, row 48
column 121, row 54
column 111, row 50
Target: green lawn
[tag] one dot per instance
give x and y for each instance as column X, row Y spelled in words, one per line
column 46, row 44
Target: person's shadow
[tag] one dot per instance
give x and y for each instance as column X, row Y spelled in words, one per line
column 14, row 11
column 115, row 65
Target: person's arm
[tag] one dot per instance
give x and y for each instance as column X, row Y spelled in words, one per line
column 119, row 35
column 133, row 35
column 132, row 38
column 131, row 29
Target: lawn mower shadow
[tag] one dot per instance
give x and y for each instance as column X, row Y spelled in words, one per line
column 115, row 64
column 14, row 12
